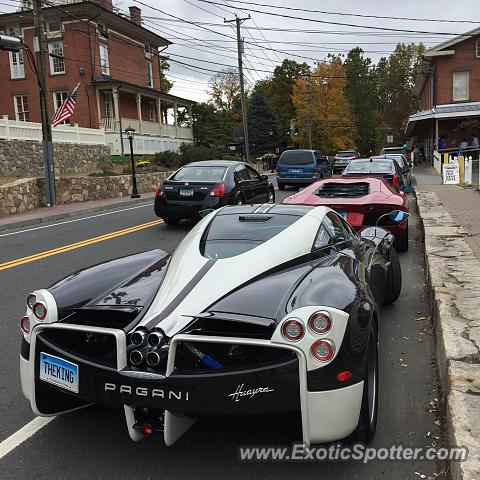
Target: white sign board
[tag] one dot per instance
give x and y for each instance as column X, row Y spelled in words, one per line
column 450, row 174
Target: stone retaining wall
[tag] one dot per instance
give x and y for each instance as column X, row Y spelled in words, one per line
column 454, row 277
column 19, row 196
column 22, row 158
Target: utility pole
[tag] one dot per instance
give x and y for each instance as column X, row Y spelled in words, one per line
column 47, row 145
column 309, row 102
column 238, row 22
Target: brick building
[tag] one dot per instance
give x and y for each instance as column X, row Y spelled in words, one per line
column 448, row 86
column 116, row 61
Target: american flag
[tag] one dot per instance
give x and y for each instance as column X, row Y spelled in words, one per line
column 66, row 109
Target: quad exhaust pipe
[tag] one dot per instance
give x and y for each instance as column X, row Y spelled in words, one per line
column 156, row 356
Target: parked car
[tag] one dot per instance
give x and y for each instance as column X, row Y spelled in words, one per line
column 402, row 150
column 368, row 167
column 255, row 313
column 301, row 167
column 403, row 163
column 207, row 185
column 342, row 159
column 362, row 203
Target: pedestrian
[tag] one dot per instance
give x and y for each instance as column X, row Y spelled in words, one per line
column 441, row 143
column 474, row 141
column 463, row 144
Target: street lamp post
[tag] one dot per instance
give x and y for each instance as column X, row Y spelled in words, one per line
column 272, row 168
column 130, row 132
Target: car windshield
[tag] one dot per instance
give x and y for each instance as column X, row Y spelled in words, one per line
column 399, row 159
column 230, row 235
column 200, row 174
column 393, row 150
column 296, row 157
column 346, row 154
column 369, row 167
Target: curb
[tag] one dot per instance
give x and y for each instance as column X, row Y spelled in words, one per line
column 453, row 276
column 74, row 213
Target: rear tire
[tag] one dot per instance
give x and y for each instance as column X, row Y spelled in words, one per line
column 271, row 196
column 171, row 221
column 402, row 241
column 281, row 186
column 394, row 283
column 367, row 423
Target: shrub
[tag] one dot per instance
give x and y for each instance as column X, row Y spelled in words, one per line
column 187, row 153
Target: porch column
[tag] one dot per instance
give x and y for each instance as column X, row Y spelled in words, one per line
column 99, row 113
column 116, row 106
column 139, row 112
column 190, row 116
column 436, row 135
column 159, row 114
column 175, row 118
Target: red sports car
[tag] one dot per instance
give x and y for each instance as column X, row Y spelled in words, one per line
column 360, row 201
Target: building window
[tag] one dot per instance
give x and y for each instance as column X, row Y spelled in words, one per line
column 104, row 65
column 17, row 67
column 149, row 75
column 57, row 62
column 108, row 105
column 151, row 111
column 54, row 26
column 461, row 90
column 15, row 30
column 477, row 53
column 102, row 30
column 20, row 103
column 58, row 99
column 148, row 50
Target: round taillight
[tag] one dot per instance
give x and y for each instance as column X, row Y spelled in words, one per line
column 293, row 330
column 31, row 299
column 323, row 350
column 25, row 324
column 320, row 322
column 40, row 311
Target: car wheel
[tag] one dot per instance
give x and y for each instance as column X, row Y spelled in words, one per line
column 402, row 240
column 394, row 282
column 171, row 221
column 281, row 186
column 271, row 196
column 367, row 423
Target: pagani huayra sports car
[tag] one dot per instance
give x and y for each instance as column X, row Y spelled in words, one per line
column 262, row 309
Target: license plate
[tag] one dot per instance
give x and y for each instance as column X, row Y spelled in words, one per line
column 186, row 192
column 295, row 170
column 343, row 215
column 59, row 372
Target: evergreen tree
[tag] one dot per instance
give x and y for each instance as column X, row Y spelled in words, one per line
column 262, row 124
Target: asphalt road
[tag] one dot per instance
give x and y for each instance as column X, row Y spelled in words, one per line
column 94, row 443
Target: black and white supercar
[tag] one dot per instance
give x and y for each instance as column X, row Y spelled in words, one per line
column 260, row 309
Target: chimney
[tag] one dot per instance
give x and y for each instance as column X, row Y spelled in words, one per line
column 135, row 15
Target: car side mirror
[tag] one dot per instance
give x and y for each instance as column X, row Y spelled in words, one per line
column 396, row 216
column 264, row 177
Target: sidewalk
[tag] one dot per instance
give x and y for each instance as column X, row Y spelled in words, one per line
column 451, row 221
column 463, row 204
column 58, row 212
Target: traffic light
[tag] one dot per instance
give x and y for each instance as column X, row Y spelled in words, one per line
column 296, row 132
column 288, row 130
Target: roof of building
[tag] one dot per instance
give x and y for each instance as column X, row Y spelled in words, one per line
column 94, row 10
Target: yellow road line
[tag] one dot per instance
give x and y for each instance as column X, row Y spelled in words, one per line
column 73, row 246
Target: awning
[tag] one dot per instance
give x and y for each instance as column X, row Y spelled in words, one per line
column 451, row 110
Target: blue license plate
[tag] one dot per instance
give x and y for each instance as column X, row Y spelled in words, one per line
column 186, row 192
column 343, row 215
column 59, row 372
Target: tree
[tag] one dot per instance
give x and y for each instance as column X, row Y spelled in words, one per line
column 212, row 126
column 165, row 84
column 262, row 124
column 396, row 80
column 321, row 104
column 225, row 89
column 361, row 92
column 278, row 89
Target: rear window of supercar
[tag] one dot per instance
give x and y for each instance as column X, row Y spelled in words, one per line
column 231, row 235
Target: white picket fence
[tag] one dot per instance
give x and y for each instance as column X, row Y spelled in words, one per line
column 16, row 130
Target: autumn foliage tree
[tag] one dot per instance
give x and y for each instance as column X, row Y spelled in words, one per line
column 321, row 104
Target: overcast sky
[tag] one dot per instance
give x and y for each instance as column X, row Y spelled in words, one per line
column 198, row 44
